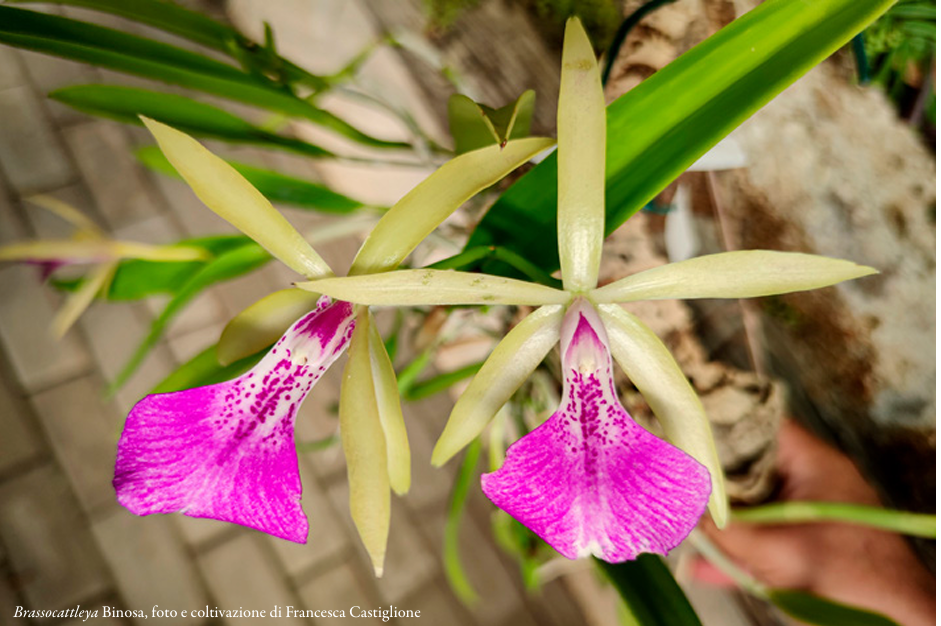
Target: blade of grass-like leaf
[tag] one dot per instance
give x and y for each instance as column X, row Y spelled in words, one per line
column 650, row 591
column 224, row 267
column 441, row 382
column 390, row 413
column 906, row 523
column 453, row 568
column 435, row 198
column 128, row 104
column 409, row 375
column 507, row 367
column 230, row 196
column 204, row 369
column 262, row 323
column 434, row 287
column 163, row 15
column 201, row 29
column 813, row 609
column 136, row 279
column 275, row 186
column 739, row 274
column 364, row 446
column 48, row 32
column 581, row 156
column 650, row 366
column 659, row 128
column 472, row 256
column 112, row 49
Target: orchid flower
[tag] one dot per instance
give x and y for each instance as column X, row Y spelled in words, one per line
column 590, row 480
column 227, row 451
column 88, row 245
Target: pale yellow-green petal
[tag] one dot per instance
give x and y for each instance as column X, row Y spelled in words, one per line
column 262, row 323
column 67, row 212
column 233, row 198
column 434, row 287
column 581, row 127
column 364, row 445
column 422, row 209
column 390, row 413
column 94, row 250
column 80, row 299
column 650, row 366
column 740, row 274
column 507, row 367
column 146, row 252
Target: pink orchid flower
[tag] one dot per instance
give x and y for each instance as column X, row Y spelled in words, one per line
column 590, row 480
column 227, row 451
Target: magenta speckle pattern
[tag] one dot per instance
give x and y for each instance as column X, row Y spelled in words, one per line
column 226, row 451
column 590, row 480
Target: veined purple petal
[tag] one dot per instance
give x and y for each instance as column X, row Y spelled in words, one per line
column 590, row 480
column 226, row 451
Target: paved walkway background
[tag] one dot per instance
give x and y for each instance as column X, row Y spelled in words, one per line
column 64, row 540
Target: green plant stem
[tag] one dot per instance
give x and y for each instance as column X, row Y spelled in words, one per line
column 453, row 569
column 915, row 524
column 624, row 30
column 714, row 555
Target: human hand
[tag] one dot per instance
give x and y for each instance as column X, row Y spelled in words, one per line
column 855, row 565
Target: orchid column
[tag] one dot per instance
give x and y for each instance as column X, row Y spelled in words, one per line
column 590, row 480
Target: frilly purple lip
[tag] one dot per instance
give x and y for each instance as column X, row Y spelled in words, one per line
column 226, row 451
column 590, row 480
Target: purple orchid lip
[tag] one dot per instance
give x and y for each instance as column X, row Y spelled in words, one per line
column 590, row 480
column 226, row 451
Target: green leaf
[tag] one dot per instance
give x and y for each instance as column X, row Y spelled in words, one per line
column 914, row 11
column 127, row 104
column 163, row 15
column 105, row 47
column 136, row 278
column 204, row 369
column 139, row 278
column 195, row 26
column 661, row 127
column 441, row 382
column 275, row 186
column 475, row 125
column 453, row 569
column 822, row 612
column 226, row 266
column 650, row 592
column 915, row 524
column 919, row 29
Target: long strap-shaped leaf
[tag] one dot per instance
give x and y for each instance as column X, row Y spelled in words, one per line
column 196, row 27
column 661, row 127
column 650, row 592
column 164, row 15
column 127, row 53
column 128, row 104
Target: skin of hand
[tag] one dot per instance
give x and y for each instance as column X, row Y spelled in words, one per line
column 852, row 564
